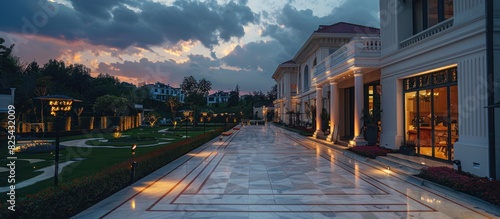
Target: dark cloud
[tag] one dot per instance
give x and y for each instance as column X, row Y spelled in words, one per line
column 292, row 26
column 256, row 56
column 112, row 22
column 198, row 66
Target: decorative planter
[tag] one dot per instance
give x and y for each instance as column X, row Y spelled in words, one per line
column 407, row 150
column 371, row 134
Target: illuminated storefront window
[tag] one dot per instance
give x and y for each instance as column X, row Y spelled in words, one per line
column 431, row 112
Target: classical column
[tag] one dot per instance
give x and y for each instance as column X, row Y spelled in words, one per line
column 358, row 109
column 319, row 109
column 334, row 109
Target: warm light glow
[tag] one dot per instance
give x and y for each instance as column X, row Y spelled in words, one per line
column 201, row 154
column 117, row 134
column 57, row 106
column 132, row 204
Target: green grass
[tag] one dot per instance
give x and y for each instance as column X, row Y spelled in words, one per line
column 24, row 170
column 95, row 159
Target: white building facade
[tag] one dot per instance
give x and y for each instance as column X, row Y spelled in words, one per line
column 436, row 75
column 162, row 92
column 218, row 97
column 335, row 74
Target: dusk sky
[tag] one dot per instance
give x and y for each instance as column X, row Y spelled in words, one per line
column 227, row 42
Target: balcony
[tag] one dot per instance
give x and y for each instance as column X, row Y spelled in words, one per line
column 438, row 28
column 355, row 52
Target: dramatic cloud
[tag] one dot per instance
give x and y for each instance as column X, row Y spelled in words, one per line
column 124, row 23
column 222, row 73
column 228, row 42
column 292, row 27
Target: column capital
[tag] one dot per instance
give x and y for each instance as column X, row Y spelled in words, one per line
column 319, row 87
column 358, row 72
column 333, row 82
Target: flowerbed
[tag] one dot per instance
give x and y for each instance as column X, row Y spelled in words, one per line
column 480, row 187
column 370, row 151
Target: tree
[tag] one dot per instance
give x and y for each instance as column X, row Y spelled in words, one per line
column 174, row 103
column 152, row 117
column 272, row 95
column 109, row 105
column 195, row 92
column 6, row 62
column 234, row 97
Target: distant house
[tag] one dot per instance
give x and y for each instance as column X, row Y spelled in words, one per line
column 218, row 97
column 162, row 92
column 6, row 99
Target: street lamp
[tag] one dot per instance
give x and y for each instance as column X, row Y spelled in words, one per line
column 59, row 105
column 204, row 114
column 215, row 121
column 186, row 117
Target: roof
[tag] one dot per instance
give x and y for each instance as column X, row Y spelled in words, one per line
column 344, row 27
column 288, row 62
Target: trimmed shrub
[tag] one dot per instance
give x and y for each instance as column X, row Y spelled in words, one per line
column 370, row 151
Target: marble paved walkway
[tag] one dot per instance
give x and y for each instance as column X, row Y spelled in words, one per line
column 268, row 172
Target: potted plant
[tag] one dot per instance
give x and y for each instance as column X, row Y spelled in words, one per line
column 370, row 121
column 408, row 147
column 325, row 119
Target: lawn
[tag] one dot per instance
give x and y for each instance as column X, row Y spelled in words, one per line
column 91, row 160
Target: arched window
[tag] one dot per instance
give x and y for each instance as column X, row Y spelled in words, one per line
column 306, row 78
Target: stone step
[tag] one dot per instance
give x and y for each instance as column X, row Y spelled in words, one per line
column 395, row 163
column 417, row 160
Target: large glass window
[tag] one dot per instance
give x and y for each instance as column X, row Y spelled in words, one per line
column 427, row 13
column 431, row 113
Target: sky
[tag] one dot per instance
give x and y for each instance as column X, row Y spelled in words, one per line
column 228, row 42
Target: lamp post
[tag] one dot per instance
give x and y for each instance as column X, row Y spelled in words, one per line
column 204, row 115
column 59, row 105
column 186, row 117
column 225, row 120
column 215, row 121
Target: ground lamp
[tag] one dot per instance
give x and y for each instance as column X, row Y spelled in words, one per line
column 59, row 106
column 134, row 164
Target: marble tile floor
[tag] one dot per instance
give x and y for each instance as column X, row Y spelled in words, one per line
column 268, row 172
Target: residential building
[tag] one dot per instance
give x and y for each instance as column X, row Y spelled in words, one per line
column 437, row 78
column 432, row 72
column 162, row 92
column 218, row 97
column 336, row 69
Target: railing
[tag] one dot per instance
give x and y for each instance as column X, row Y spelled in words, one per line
column 357, row 46
column 438, row 28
